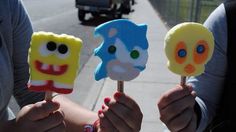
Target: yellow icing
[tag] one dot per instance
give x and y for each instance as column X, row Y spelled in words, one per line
column 190, row 34
column 40, row 39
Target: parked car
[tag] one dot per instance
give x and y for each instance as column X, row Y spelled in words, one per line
column 114, row 8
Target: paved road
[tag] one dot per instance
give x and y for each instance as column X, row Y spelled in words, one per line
column 60, row 16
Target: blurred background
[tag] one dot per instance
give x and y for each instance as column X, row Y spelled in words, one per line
column 177, row 11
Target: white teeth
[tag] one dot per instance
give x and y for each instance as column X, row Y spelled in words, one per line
column 118, row 69
column 45, row 66
column 37, row 83
column 56, row 68
column 63, row 86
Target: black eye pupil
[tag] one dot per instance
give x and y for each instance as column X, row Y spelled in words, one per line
column 134, row 54
column 62, row 49
column 200, row 49
column 112, row 49
column 182, row 53
column 51, row 46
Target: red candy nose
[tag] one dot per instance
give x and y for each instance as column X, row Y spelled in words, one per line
column 189, row 69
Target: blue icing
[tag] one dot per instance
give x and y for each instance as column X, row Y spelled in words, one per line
column 129, row 33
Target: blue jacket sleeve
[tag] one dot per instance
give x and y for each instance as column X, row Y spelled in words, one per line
column 209, row 85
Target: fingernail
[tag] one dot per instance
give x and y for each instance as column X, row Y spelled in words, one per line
column 107, row 100
column 99, row 112
column 117, row 95
column 103, row 106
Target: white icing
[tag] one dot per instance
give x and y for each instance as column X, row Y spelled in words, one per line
column 62, row 86
column 37, row 83
column 56, row 68
column 118, row 68
column 44, row 66
column 123, row 54
column 44, row 51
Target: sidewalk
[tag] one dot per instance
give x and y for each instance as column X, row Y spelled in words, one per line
column 147, row 88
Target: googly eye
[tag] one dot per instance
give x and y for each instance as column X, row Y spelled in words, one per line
column 182, row 53
column 47, row 48
column 112, row 49
column 134, row 54
column 51, row 46
column 62, row 51
column 201, row 52
column 200, row 49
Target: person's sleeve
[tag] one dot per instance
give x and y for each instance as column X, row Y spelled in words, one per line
column 22, row 31
column 209, row 85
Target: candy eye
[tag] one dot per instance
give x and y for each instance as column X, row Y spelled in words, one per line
column 134, row 54
column 112, row 49
column 200, row 49
column 200, row 52
column 62, row 49
column 182, row 53
column 51, row 46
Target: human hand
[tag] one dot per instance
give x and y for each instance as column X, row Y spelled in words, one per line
column 40, row 117
column 121, row 114
column 176, row 108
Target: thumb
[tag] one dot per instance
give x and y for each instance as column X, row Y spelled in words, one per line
column 42, row 109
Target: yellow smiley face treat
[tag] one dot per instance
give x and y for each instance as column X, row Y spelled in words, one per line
column 188, row 47
column 54, row 62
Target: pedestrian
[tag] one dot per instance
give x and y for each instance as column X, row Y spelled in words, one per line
column 57, row 115
column 207, row 104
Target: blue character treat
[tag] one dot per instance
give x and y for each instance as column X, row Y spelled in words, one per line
column 124, row 50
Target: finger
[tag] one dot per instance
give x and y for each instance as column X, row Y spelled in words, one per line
column 105, row 124
column 117, row 122
column 52, row 121
column 42, row 109
column 180, row 121
column 192, row 126
column 176, row 108
column 173, row 95
column 60, row 128
column 132, row 118
column 126, row 101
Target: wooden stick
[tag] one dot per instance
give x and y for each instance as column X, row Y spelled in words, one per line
column 48, row 95
column 120, row 86
column 183, row 81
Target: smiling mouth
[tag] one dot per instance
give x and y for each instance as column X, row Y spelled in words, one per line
column 51, row 69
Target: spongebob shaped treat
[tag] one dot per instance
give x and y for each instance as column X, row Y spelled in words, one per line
column 124, row 50
column 188, row 47
column 54, row 62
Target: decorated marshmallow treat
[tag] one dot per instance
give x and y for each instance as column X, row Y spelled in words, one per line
column 123, row 52
column 188, row 47
column 54, row 62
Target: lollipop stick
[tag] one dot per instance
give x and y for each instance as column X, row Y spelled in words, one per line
column 183, row 81
column 120, row 86
column 48, row 95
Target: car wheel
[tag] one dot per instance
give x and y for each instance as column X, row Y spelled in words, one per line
column 81, row 15
column 95, row 14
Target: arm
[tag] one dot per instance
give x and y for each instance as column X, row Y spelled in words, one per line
column 22, row 31
column 75, row 116
column 209, row 85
